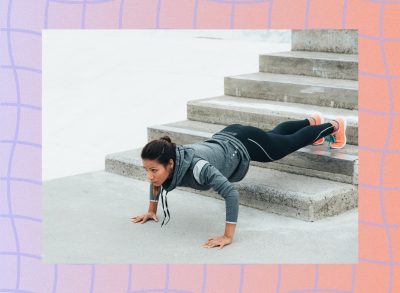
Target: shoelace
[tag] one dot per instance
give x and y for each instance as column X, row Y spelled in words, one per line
column 166, row 204
column 330, row 138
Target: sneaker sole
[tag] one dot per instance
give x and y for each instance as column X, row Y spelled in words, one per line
column 319, row 143
column 345, row 137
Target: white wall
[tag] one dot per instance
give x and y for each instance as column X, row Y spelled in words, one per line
column 102, row 88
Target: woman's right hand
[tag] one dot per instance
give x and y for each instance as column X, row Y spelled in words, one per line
column 144, row 218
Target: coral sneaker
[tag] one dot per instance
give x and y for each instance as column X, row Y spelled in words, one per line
column 339, row 137
column 318, row 120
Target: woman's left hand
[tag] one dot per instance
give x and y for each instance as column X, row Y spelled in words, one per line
column 220, row 241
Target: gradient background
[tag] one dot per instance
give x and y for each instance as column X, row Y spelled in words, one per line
column 21, row 23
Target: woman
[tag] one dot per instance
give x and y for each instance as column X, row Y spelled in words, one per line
column 225, row 158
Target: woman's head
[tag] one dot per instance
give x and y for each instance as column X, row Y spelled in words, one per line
column 158, row 158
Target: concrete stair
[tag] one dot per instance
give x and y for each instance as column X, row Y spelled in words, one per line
column 335, row 41
column 337, row 93
column 319, row 74
column 318, row 161
column 317, row 64
column 263, row 114
column 303, row 197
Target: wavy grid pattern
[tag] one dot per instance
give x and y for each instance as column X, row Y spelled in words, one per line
column 21, row 23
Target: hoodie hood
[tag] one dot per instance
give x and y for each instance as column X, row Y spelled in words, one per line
column 184, row 157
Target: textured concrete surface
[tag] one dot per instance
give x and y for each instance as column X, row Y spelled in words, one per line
column 309, row 90
column 264, row 114
column 87, row 220
column 317, row 64
column 298, row 196
column 335, row 40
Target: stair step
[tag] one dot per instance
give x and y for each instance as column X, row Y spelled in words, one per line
column 297, row 196
column 317, row 64
column 335, row 93
column 318, row 161
column 323, row 40
column 264, row 114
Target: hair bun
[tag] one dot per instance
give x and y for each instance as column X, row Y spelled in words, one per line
column 167, row 138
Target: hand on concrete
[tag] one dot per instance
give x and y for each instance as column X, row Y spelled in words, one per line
column 220, row 241
column 144, row 218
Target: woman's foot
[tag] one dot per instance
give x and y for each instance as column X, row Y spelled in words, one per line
column 317, row 119
column 339, row 133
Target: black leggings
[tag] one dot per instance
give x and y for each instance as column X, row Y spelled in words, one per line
column 284, row 139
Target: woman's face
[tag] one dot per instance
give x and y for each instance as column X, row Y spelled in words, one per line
column 156, row 172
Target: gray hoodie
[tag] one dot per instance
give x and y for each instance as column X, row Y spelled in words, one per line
column 214, row 163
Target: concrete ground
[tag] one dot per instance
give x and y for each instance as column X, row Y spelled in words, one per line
column 87, row 219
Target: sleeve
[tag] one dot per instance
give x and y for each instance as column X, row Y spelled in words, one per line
column 207, row 174
column 153, row 197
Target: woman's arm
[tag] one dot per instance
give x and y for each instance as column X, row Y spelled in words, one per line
column 211, row 176
column 229, row 230
column 154, row 195
column 152, row 211
column 153, row 207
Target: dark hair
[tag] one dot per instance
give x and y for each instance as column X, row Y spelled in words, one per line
column 162, row 150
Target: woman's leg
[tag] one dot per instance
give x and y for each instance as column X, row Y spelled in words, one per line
column 270, row 146
column 282, row 145
column 289, row 127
